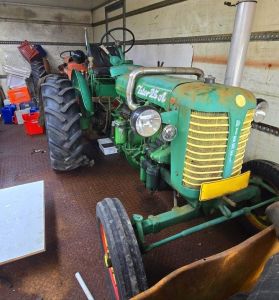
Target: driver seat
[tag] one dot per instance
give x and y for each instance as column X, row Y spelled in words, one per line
column 101, row 59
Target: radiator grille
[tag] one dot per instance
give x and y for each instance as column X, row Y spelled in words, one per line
column 206, row 148
column 244, row 134
column 207, row 145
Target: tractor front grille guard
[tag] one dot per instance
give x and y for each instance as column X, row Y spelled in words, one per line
column 243, row 138
column 207, row 146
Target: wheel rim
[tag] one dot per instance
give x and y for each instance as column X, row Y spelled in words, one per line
column 110, row 269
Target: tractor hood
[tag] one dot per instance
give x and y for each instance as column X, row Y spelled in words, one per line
column 205, row 97
column 157, row 89
column 196, row 95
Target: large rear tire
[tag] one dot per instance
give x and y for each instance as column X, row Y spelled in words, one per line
column 121, row 251
column 62, row 121
column 268, row 172
column 38, row 71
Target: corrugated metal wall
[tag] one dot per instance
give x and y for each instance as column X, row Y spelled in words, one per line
column 207, row 17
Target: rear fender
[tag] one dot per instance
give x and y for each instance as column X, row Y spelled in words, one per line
column 81, row 86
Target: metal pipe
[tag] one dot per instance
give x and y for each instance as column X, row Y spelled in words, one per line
column 156, row 71
column 240, row 40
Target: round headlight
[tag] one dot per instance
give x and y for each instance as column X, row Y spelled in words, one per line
column 146, row 121
column 169, row 133
column 261, row 111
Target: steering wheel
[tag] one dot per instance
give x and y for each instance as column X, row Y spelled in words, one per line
column 66, row 51
column 117, row 43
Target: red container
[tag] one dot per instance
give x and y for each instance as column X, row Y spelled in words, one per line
column 31, row 124
column 19, row 95
column 27, row 51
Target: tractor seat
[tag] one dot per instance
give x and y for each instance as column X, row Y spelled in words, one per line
column 101, row 59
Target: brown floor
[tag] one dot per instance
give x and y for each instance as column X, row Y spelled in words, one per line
column 71, row 234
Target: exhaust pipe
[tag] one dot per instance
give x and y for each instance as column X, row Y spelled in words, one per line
column 240, row 40
column 156, row 71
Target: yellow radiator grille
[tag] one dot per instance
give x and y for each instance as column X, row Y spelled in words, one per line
column 244, row 134
column 206, row 148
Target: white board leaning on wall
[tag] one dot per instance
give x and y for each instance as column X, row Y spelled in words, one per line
column 175, row 55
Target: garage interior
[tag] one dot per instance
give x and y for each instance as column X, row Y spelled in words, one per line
column 176, row 33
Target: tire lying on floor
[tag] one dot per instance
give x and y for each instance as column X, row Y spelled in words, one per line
column 62, row 121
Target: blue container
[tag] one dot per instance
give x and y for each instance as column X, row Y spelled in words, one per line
column 41, row 50
column 24, row 105
column 33, row 109
column 8, row 113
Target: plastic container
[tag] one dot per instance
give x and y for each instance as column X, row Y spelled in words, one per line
column 18, row 115
column 31, row 124
column 34, row 109
column 41, row 50
column 8, row 113
column 27, row 51
column 19, row 95
column 7, row 102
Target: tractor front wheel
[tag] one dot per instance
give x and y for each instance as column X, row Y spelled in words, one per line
column 62, row 121
column 268, row 173
column 122, row 256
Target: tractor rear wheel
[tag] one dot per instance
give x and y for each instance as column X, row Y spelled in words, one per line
column 122, row 255
column 62, row 123
column 38, row 71
column 268, row 172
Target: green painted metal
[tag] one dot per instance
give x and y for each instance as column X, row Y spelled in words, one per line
column 186, row 232
column 122, row 69
column 121, row 132
column 161, row 155
column 159, row 222
column 154, row 224
column 156, row 89
column 103, row 87
column 81, row 86
column 170, row 117
column 207, row 98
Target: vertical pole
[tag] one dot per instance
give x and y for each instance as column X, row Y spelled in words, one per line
column 240, row 41
column 106, row 18
column 124, row 23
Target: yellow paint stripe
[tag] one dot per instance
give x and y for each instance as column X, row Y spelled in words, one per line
column 208, row 125
column 201, row 159
column 209, row 140
column 203, row 172
column 202, row 178
column 206, row 166
column 208, row 118
column 206, row 146
column 208, row 132
column 208, row 153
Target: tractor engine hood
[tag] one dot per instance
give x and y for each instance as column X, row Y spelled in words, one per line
column 171, row 92
column 156, row 89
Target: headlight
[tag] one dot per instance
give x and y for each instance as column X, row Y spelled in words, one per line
column 261, row 111
column 169, row 133
column 146, row 121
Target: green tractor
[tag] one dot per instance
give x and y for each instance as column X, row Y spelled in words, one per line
column 187, row 134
